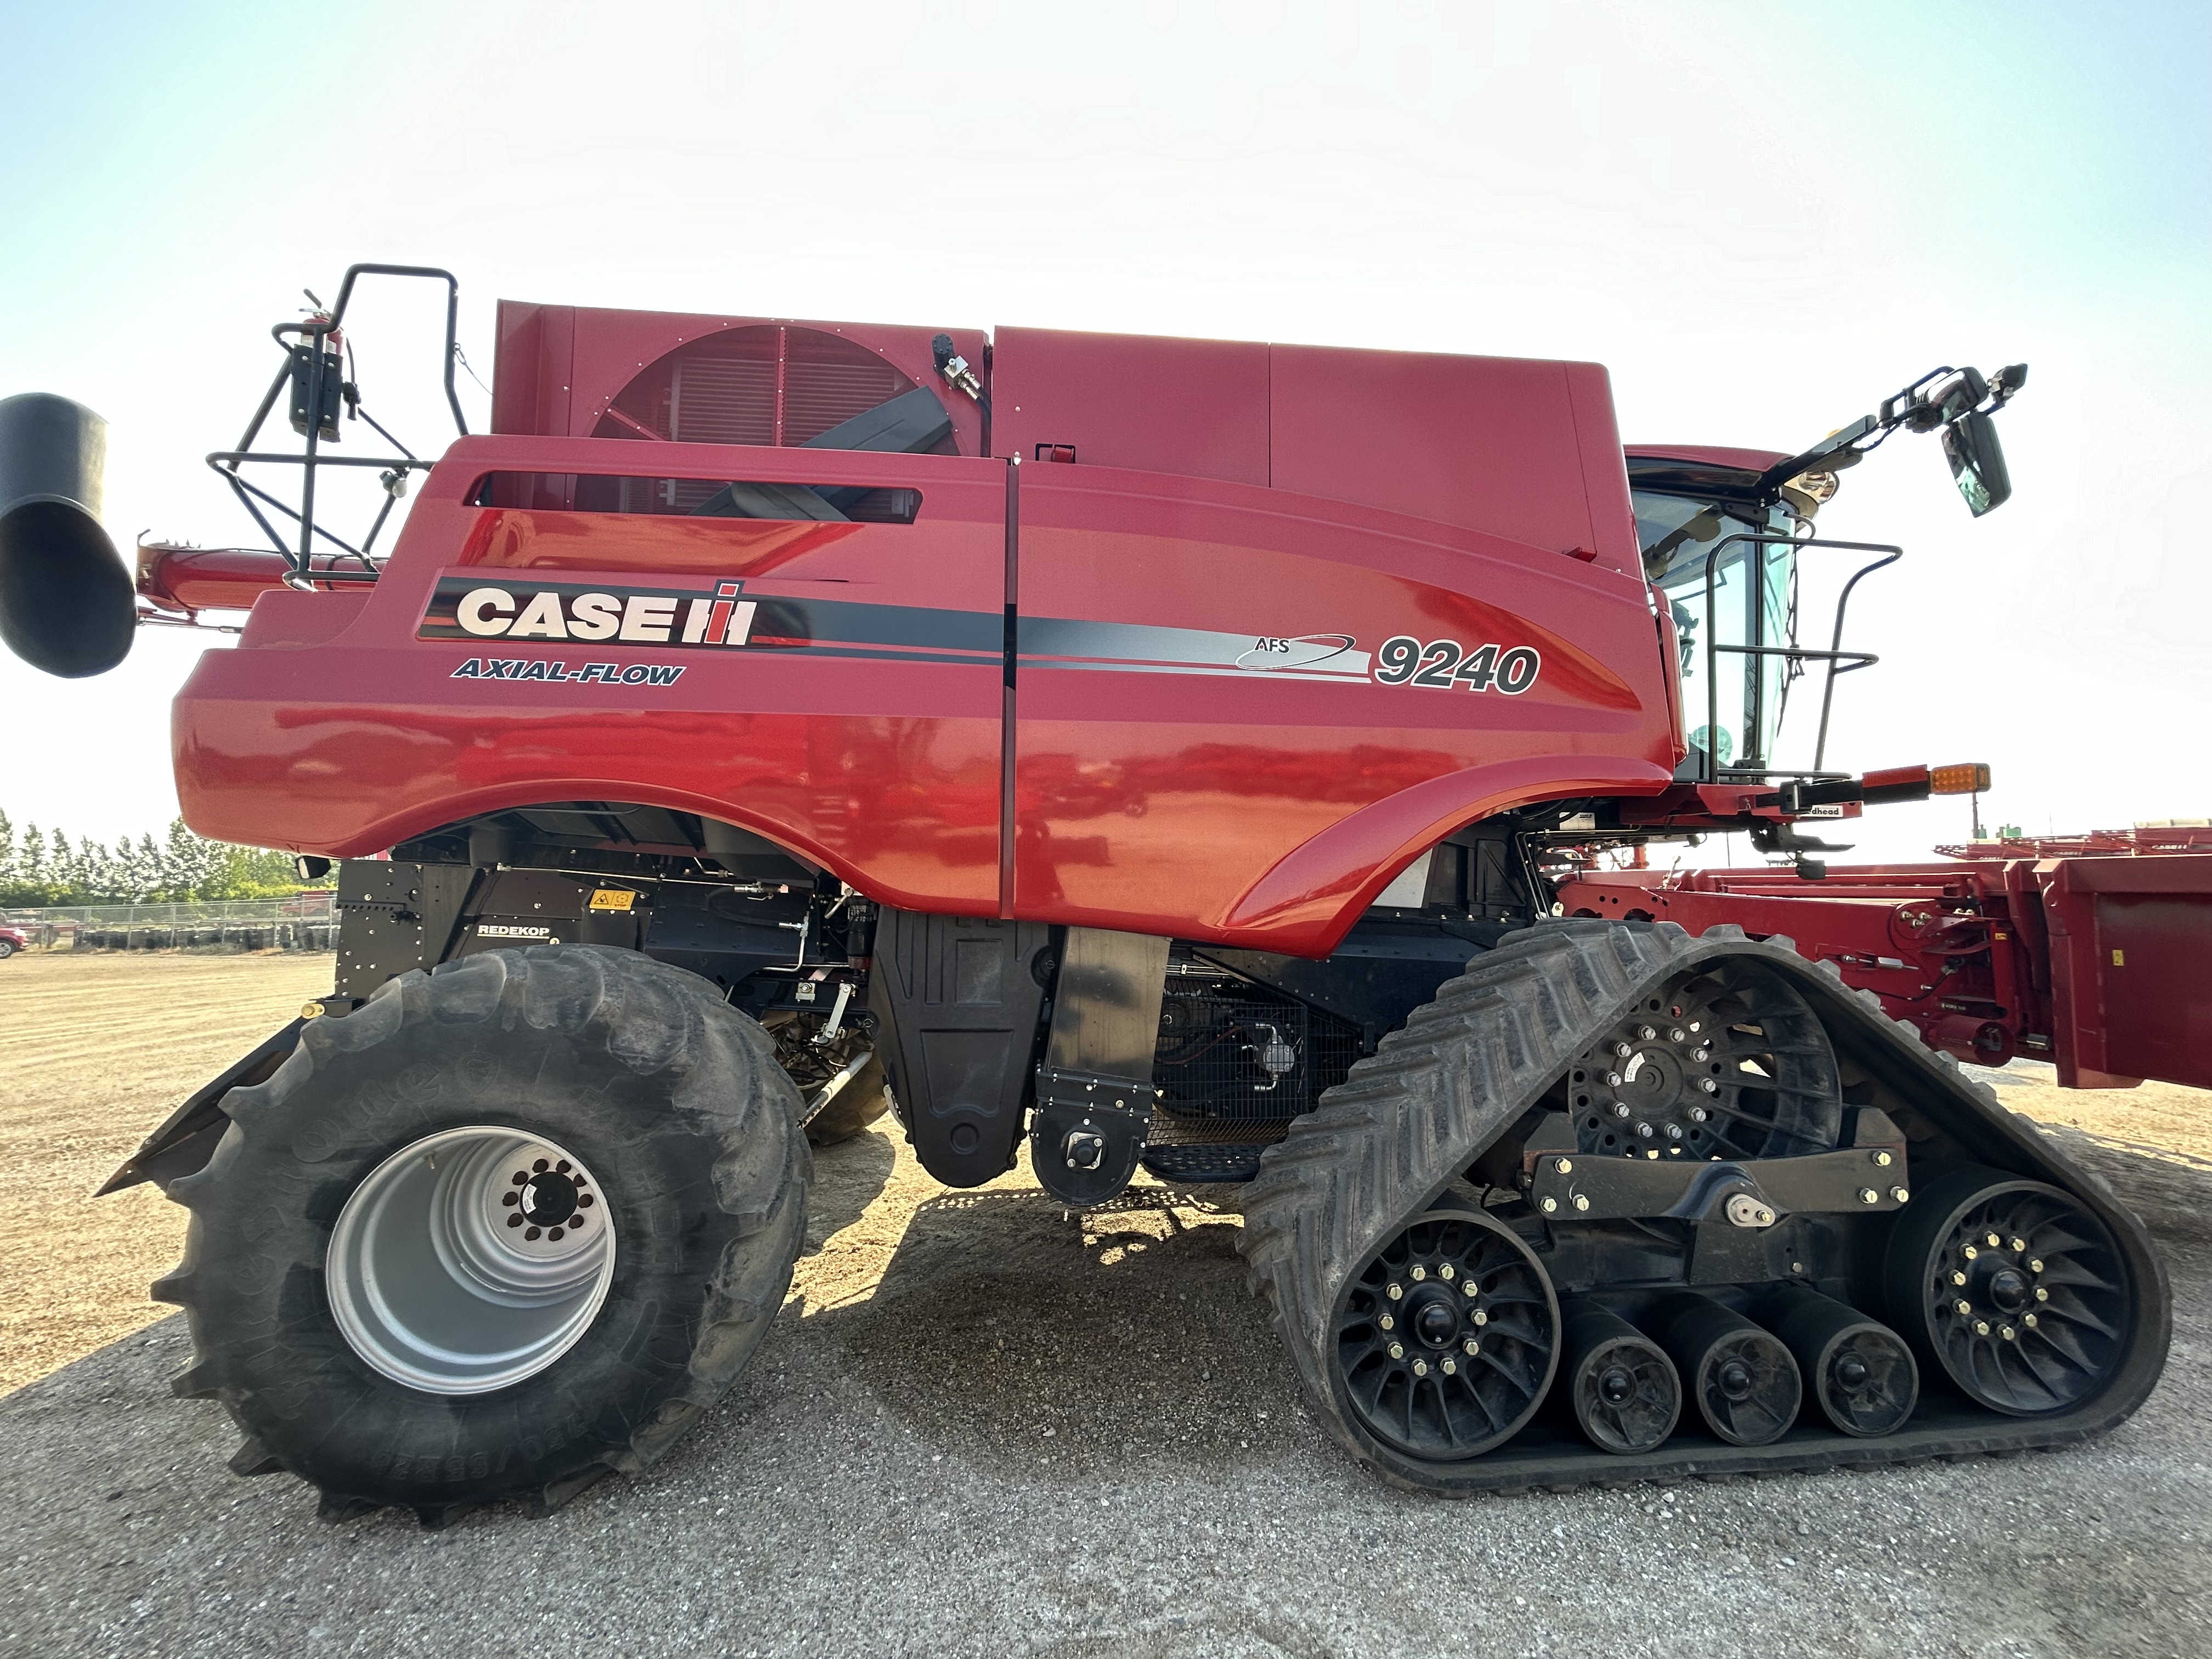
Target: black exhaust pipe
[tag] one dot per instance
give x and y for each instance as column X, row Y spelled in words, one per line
column 65, row 596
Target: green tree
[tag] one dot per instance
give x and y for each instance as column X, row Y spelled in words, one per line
column 39, row 869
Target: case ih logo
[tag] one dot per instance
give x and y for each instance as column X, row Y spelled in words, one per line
column 468, row 608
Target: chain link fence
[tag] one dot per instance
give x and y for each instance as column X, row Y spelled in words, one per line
column 304, row 922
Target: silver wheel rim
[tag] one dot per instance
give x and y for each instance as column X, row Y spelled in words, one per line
column 470, row 1260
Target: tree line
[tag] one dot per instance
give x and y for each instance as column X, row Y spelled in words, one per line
column 40, row 867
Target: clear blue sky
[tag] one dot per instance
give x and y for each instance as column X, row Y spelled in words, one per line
column 1762, row 217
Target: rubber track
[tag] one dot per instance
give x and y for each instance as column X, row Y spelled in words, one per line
column 1405, row 1124
column 728, row 1084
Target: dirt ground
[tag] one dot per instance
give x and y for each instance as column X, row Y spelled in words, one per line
column 98, row 1048
column 95, row 1051
column 984, row 1426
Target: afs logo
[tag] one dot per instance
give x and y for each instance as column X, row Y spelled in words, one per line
column 468, row 608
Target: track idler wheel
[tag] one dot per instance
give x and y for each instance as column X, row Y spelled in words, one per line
column 2011, row 1288
column 1858, row 1373
column 1624, row 1393
column 1744, row 1380
column 1447, row 1337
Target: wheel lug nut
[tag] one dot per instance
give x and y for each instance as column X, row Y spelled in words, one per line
column 2042, row 1295
column 1701, row 1053
column 1964, row 1308
column 1420, row 1368
column 515, row 1221
column 1678, row 1035
column 1958, row 1279
column 2029, row 1321
column 1708, row 1085
column 1622, row 1050
column 1644, row 1131
column 1397, row 1351
column 1470, row 1346
column 1620, row 1109
column 1674, row 1131
column 1993, row 1241
column 2006, row 1332
column 1480, row 1317
column 1981, row 1328
column 1699, row 1115
column 1395, row 1291
column 1387, row 1323
column 1613, row 1079
column 2035, row 1267
column 1445, row 1271
column 1971, row 1254
column 1419, row 1273
column 1646, row 1032
column 1450, row 1367
column 2019, row 1246
column 1473, row 1290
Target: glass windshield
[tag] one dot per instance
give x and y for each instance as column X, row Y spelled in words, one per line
column 1731, row 702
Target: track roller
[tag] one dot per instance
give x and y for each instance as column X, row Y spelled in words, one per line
column 1743, row 1379
column 2013, row 1288
column 1624, row 1393
column 1859, row 1373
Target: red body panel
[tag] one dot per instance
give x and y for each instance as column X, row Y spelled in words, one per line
column 890, row 777
column 2100, row 963
column 1200, row 746
column 1223, row 804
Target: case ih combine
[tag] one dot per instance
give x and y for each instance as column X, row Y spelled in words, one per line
column 1163, row 754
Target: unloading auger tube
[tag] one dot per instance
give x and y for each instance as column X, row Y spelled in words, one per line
column 1417, row 1234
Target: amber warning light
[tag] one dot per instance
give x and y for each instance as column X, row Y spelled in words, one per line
column 1971, row 778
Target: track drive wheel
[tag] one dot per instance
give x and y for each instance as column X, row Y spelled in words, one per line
column 1725, row 1060
column 506, row 1227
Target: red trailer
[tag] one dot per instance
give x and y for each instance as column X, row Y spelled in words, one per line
column 2092, row 952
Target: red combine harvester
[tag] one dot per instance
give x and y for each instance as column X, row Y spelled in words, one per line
column 1161, row 753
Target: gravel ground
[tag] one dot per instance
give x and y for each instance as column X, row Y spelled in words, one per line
column 983, row 1427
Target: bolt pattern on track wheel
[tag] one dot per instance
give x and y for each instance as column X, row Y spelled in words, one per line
column 1446, row 1341
column 2013, row 1288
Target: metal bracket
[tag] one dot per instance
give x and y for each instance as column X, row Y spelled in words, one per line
column 1094, row 1090
column 1867, row 1177
column 1088, row 1133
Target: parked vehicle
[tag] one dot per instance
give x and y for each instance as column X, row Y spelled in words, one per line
column 1158, row 753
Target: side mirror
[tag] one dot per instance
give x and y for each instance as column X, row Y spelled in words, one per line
column 1977, row 462
column 66, row 605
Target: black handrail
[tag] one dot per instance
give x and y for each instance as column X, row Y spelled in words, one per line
column 311, row 334
column 1833, row 656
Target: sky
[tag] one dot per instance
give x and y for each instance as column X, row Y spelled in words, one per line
column 1762, row 219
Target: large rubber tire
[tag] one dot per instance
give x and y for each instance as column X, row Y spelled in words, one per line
column 7, row 949
column 672, row 1099
column 858, row 1104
